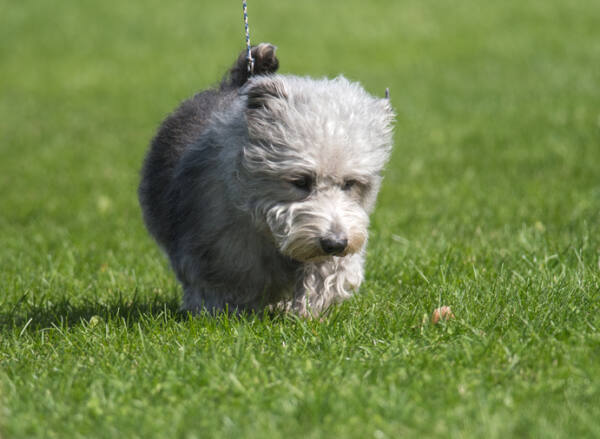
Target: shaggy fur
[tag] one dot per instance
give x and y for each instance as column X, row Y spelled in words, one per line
column 260, row 191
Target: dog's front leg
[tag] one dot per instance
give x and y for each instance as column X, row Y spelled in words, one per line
column 319, row 285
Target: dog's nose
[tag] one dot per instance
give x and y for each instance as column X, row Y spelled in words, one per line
column 333, row 245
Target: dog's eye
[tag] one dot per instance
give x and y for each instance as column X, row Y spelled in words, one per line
column 348, row 184
column 303, row 182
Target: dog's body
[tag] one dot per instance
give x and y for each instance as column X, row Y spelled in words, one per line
column 259, row 191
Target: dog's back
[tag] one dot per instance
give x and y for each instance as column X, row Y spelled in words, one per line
column 183, row 128
column 177, row 132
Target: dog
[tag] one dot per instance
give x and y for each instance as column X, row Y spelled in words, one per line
column 260, row 189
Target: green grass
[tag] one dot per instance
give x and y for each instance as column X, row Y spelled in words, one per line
column 491, row 205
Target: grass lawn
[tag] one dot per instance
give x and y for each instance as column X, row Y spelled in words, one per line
column 491, row 205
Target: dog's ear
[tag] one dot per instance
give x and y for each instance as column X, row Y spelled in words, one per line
column 261, row 91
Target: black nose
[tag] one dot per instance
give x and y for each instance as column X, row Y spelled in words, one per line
column 334, row 245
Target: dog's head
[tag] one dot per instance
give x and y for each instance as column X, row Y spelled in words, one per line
column 311, row 167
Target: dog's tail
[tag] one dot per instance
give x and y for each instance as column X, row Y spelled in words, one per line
column 265, row 63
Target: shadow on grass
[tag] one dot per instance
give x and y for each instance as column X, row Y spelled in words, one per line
column 62, row 313
column 46, row 312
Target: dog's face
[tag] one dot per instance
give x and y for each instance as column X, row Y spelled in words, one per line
column 312, row 165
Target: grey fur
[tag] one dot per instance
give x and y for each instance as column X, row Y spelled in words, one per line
column 259, row 191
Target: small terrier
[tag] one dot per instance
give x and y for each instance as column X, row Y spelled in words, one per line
column 260, row 190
